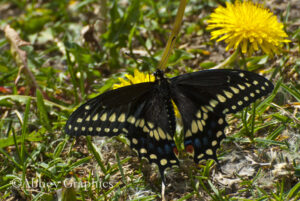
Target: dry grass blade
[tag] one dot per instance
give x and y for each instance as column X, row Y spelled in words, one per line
column 20, row 55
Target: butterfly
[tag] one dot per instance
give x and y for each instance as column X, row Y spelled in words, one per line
column 144, row 113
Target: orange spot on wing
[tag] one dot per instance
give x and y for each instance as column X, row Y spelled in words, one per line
column 175, row 151
column 189, row 149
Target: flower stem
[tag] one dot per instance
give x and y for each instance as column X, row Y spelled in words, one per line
column 243, row 60
column 228, row 61
column 172, row 38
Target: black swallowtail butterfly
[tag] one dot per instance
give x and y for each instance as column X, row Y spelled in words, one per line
column 144, row 112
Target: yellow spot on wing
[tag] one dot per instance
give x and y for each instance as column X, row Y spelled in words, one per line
column 151, row 126
column 188, row 133
column 204, row 109
column 142, row 123
column 228, row 94
column 161, row 133
column 131, row 119
column 241, row 87
column 121, row 118
column 209, row 152
column 88, row 118
column 169, row 137
column 103, row 117
column 213, row 103
column 221, row 98
column 112, row 118
column 200, row 125
column 194, row 126
column 163, row 162
column 156, row 135
column 198, row 115
column 145, row 129
column 143, row 151
column 235, row 90
column 200, row 156
column 134, row 141
column 95, row 117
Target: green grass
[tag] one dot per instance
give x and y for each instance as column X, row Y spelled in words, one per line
column 260, row 157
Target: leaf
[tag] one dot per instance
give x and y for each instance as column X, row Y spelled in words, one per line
column 9, row 141
column 42, row 110
column 23, row 99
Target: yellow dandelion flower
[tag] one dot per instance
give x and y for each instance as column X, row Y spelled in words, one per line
column 247, row 25
column 139, row 77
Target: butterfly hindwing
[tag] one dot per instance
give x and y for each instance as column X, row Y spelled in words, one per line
column 205, row 97
column 152, row 133
column 203, row 129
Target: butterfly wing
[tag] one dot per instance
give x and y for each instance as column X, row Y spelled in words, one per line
column 205, row 97
column 106, row 114
column 139, row 112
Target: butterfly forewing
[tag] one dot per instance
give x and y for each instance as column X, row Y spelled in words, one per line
column 205, row 97
column 106, row 114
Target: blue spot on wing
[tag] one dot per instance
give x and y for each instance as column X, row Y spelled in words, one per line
column 168, row 149
column 197, row 143
column 205, row 141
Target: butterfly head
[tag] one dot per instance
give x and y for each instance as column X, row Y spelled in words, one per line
column 159, row 75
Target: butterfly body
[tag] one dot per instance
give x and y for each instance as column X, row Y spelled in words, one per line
column 144, row 112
